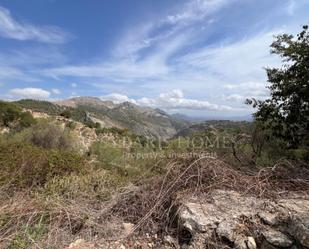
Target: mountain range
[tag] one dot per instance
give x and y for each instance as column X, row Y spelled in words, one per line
column 141, row 120
column 145, row 121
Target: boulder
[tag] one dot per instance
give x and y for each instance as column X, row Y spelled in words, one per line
column 277, row 238
column 241, row 220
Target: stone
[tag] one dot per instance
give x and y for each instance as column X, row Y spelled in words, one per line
column 127, row 228
column 81, row 244
column 169, row 240
column 269, row 218
column 277, row 238
column 200, row 217
column 251, row 243
column 240, row 243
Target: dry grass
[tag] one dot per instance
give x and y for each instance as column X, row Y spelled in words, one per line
column 155, row 201
column 40, row 220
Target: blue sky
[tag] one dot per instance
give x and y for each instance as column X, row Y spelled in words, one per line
column 198, row 57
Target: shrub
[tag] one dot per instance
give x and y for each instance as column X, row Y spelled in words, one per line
column 71, row 125
column 34, row 231
column 98, row 184
column 12, row 116
column 109, row 155
column 66, row 114
column 51, row 136
column 25, row 165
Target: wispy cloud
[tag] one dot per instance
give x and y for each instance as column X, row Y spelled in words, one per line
column 196, row 10
column 146, row 35
column 291, row 6
column 162, row 61
column 10, row 72
column 243, row 59
column 174, row 61
column 13, row 29
column 55, row 91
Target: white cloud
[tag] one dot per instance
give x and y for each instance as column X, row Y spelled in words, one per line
column 55, row 91
column 173, row 100
column 244, row 59
column 203, row 72
column 118, row 98
column 126, row 69
column 74, row 85
column 176, row 51
column 236, row 97
column 242, row 98
column 29, row 93
column 206, row 68
column 256, row 88
column 196, row 10
column 247, row 91
column 251, row 86
column 22, row 31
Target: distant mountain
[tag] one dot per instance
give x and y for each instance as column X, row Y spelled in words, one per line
column 141, row 120
column 210, row 118
column 243, row 126
column 183, row 117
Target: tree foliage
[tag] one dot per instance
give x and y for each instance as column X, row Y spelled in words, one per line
column 12, row 116
column 286, row 112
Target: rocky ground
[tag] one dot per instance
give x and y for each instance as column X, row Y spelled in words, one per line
column 227, row 219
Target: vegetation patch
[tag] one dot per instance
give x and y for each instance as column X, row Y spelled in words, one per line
column 23, row 165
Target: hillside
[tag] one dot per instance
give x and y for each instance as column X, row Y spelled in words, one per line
column 141, row 120
column 90, row 110
column 232, row 126
column 65, row 185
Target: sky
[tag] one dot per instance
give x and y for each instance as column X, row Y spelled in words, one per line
column 196, row 57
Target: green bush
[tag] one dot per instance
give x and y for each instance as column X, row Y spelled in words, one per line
column 99, row 184
column 13, row 117
column 25, row 165
column 108, row 154
column 71, row 125
column 66, row 114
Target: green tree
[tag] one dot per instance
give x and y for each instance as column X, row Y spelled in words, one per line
column 286, row 112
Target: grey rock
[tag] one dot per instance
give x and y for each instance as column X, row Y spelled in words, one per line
column 269, row 218
column 222, row 212
column 277, row 238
